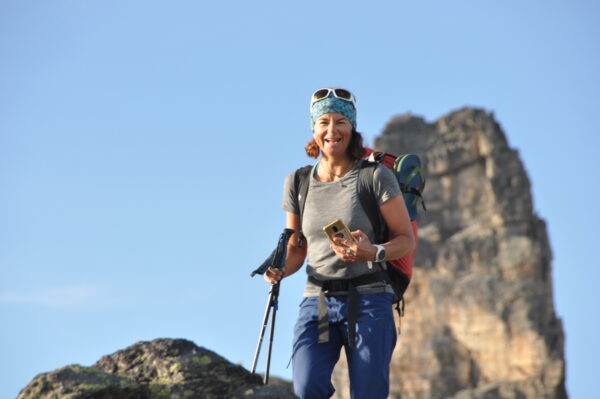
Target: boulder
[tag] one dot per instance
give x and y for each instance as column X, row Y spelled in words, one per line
column 162, row 368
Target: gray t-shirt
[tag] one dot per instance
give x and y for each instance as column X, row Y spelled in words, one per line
column 327, row 201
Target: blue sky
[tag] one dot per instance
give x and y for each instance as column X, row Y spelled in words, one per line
column 143, row 146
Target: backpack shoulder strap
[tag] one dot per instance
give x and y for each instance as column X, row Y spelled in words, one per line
column 366, row 195
column 301, row 180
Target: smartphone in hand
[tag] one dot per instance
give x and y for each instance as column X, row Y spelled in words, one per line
column 337, row 228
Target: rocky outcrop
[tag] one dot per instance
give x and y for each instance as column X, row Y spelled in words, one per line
column 480, row 320
column 160, row 369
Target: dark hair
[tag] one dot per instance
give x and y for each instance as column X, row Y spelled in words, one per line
column 355, row 148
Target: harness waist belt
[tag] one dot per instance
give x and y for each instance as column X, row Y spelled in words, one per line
column 349, row 285
column 339, row 285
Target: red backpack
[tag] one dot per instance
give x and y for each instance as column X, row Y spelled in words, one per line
column 409, row 173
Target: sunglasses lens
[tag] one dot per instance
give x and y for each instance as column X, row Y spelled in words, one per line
column 343, row 94
column 320, row 94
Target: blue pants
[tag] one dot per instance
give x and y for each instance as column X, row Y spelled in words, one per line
column 368, row 364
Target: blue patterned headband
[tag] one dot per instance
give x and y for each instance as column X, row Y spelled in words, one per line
column 333, row 104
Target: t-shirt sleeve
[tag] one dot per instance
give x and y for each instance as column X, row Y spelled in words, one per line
column 290, row 197
column 386, row 184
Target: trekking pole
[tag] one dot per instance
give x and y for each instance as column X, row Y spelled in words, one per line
column 272, row 303
column 275, row 297
column 276, row 260
column 265, row 321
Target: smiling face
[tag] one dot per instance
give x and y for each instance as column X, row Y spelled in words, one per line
column 332, row 133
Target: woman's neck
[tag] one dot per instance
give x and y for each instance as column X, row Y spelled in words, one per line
column 331, row 169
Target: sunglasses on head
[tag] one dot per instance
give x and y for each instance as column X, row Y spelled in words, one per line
column 342, row 94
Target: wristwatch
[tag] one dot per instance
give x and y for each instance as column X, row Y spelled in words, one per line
column 380, row 254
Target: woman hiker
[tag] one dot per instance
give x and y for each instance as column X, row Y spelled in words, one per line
column 346, row 301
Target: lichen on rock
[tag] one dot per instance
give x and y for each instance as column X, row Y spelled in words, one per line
column 159, row 369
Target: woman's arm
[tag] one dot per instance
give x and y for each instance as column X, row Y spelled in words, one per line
column 295, row 254
column 401, row 240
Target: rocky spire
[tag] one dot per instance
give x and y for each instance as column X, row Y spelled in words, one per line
column 480, row 319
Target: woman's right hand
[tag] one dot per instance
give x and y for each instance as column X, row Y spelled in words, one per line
column 273, row 276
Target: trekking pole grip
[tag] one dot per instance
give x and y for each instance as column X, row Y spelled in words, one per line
column 281, row 251
column 276, row 259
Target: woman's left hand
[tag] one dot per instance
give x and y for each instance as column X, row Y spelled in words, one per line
column 360, row 250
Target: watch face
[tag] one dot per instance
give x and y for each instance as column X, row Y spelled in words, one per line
column 380, row 254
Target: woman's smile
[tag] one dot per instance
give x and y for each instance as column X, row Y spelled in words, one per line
column 333, row 140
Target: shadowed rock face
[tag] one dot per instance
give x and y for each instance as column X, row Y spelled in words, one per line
column 163, row 368
column 480, row 319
